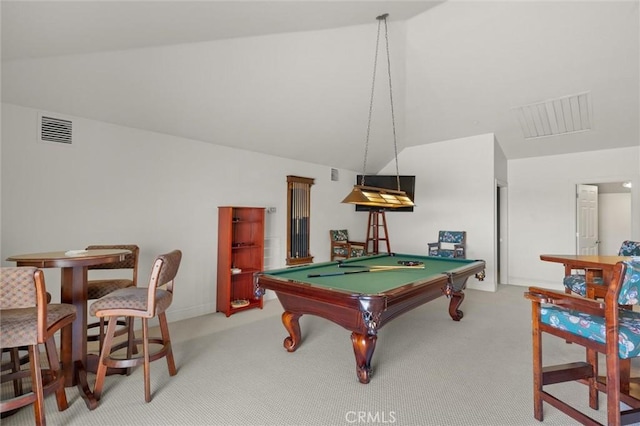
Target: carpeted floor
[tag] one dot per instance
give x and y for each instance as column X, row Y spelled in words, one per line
column 428, row 370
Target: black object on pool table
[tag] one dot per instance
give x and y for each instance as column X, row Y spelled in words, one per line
column 410, row 262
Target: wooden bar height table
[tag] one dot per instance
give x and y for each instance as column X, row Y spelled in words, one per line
column 589, row 263
column 73, row 290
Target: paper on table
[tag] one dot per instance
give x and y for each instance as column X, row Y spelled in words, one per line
column 74, row 252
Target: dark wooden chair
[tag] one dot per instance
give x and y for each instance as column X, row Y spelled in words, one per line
column 601, row 327
column 143, row 303
column 342, row 247
column 27, row 320
column 449, row 244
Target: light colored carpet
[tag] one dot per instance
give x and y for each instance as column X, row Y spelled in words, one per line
column 428, row 370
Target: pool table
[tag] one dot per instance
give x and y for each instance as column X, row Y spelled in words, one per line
column 362, row 302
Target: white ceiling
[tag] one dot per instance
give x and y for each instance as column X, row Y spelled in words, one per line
column 48, row 28
column 489, row 57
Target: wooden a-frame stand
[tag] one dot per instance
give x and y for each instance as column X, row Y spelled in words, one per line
column 376, row 232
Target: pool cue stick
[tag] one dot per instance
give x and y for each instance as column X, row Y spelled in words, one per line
column 392, row 267
column 331, row 274
column 372, row 269
column 341, row 265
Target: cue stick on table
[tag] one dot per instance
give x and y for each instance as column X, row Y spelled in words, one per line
column 369, row 269
column 382, row 266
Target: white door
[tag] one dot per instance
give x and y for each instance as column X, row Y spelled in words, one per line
column 587, row 219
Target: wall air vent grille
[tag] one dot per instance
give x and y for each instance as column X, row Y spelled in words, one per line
column 54, row 129
column 568, row 114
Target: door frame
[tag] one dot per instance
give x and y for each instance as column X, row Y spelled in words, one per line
column 501, row 229
column 635, row 201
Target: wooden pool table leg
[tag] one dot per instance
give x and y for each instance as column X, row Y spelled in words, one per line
column 290, row 321
column 363, row 347
column 456, row 300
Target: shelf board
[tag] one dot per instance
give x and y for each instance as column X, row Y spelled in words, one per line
column 252, row 304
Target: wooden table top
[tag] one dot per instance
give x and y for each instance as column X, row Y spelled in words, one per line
column 584, row 260
column 62, row 259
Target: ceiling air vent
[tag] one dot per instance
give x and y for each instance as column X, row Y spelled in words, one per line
column 568, row 114
column 55, row 129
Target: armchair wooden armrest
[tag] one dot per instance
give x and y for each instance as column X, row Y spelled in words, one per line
column 567, row 301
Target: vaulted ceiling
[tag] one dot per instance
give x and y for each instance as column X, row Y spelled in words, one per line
column 467, row 66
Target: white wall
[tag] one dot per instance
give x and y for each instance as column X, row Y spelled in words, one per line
column 542, row 207
column 455, row 190
column 124, row 185
column 117, row 184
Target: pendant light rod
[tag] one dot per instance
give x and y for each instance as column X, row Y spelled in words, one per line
column 373, row 87
column 382, row 18
column 374, row 196
column 393, row 116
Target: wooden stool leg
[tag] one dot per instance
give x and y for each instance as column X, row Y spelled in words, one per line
column 145, row 352
column 15, row 363
column 104, row 354
column 36, row 384
column 100, row 335
column 132, row 348
column 58, row 376
column 592, row 358
column 537, row 366
column 166, row 340
column 625, row 375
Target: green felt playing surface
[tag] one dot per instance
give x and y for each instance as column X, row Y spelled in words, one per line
column 370, row 282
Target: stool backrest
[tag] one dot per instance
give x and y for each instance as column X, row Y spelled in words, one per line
column 163, row 272
column 130, row 260
column 17, row 288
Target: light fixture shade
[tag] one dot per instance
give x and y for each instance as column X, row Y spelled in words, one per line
column 372, row 196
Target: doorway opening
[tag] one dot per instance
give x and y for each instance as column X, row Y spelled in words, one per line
column 612, row 217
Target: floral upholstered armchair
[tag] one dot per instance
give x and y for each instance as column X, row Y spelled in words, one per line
column 601, row 328
column 342, row 247
column 577, row 282
column 449, row 244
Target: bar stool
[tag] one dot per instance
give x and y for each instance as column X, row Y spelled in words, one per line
column 143, row 303
column 26, row 320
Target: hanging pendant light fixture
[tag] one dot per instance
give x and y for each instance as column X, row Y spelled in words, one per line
column 372, row 196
